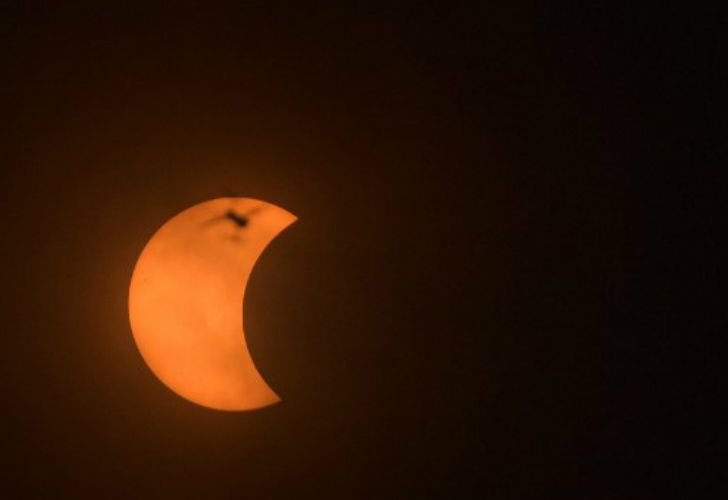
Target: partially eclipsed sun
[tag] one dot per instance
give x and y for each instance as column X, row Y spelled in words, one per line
column 186, row 298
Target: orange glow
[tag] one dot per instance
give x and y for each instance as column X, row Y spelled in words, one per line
column 186, row 297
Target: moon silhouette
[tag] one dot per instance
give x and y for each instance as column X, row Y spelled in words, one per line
column 186, row 299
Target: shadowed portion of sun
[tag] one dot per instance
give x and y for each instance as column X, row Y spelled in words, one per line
column 186, row 299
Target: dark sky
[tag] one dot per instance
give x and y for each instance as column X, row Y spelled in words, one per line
column 502, row 282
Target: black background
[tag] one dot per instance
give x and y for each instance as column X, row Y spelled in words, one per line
column 501, row 284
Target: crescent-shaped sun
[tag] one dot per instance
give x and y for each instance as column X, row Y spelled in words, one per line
column 186, row 296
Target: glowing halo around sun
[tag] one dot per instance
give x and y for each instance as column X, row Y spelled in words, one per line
column 186, row 298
